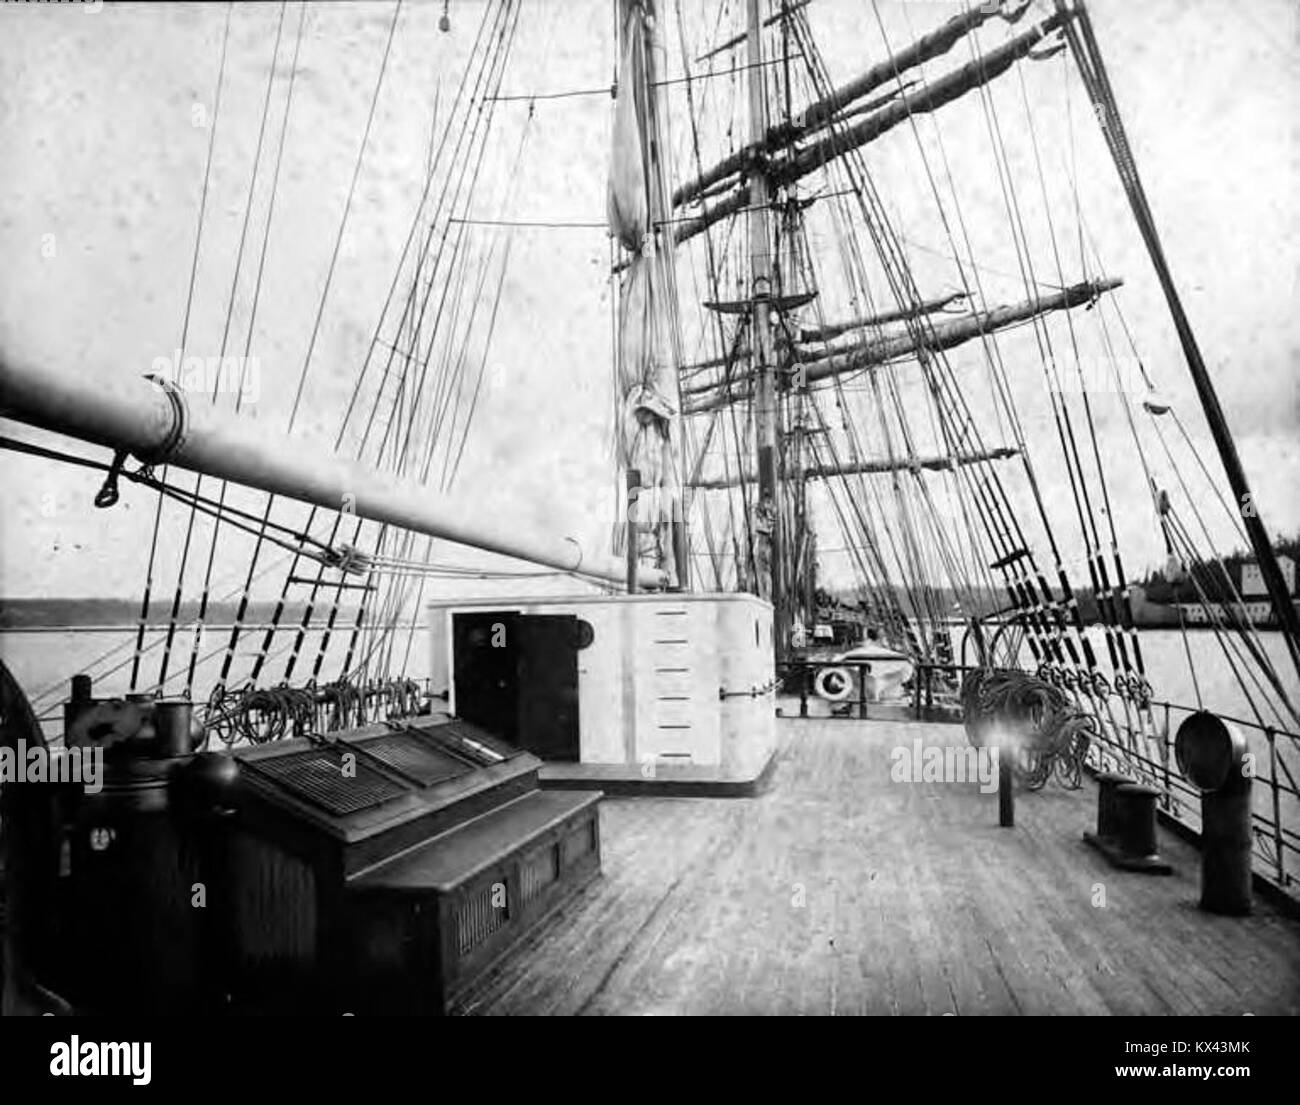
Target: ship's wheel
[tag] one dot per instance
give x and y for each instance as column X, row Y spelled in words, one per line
column 17, row 718
column 17, row 723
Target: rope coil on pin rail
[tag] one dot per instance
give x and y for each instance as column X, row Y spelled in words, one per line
column 258, row 715
column 1048, row 731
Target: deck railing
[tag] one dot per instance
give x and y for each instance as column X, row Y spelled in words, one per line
column 1275, row 813
column 1135, row 735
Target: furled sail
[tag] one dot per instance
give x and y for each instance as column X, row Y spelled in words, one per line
column 1035, row 44
column 820, row 114
column 822, row 360
column 628, row 202
column 646, row 368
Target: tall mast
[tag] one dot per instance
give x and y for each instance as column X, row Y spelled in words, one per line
column 649, row 345
column 768, row 537
column 1092, row 69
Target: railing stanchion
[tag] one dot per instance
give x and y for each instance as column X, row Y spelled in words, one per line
column 1006, row 795
column 1277, row 805
column 1165, row 754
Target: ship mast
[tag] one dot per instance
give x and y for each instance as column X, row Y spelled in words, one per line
column 1092, row 69
column 767, row 538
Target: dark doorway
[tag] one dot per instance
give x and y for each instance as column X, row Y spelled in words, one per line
column 517, row 677
column 486, row 671
column 548, row 686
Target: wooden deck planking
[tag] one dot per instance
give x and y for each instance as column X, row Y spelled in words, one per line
column 913, row 901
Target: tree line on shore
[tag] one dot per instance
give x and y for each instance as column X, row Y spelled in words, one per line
column 1215, row 579
column 1154, row 595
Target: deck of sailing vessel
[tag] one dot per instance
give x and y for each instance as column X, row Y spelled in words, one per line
column 840, row 891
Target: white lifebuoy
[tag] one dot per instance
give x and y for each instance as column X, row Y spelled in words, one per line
column 834, row 684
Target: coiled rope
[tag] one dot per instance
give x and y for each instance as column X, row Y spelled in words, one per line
column 256, row 715
column 1043, row 728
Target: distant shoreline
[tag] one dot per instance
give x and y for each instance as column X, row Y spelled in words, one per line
column 181, row 627
column 116, row 615
column 110, row 614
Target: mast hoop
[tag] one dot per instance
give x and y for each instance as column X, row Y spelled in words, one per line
column 166, row 450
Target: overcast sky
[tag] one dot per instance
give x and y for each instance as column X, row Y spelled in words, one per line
column 100, row 151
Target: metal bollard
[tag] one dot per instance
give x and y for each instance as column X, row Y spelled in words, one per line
column 1107, row 783
column 1136, row 819
column 1126, row 825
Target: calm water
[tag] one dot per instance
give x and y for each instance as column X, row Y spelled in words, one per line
column 44, row 661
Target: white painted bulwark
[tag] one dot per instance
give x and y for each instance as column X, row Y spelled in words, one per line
column 679, row 680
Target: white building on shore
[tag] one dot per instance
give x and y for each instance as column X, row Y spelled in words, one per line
column 1254, row 595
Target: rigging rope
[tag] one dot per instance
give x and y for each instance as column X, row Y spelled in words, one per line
column 147, row 596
